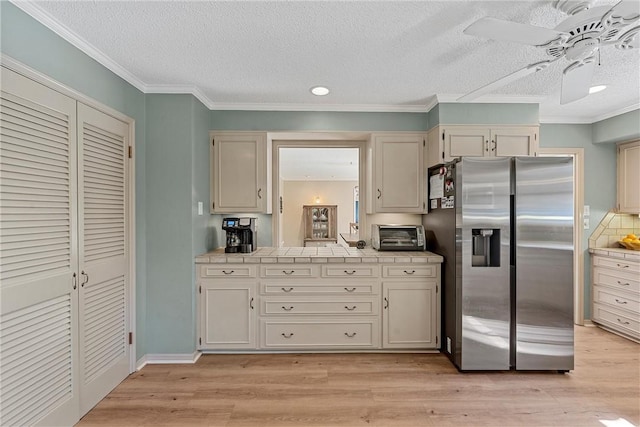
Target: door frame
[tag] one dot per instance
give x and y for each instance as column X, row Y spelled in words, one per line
column 20, row 68
column 578, row 229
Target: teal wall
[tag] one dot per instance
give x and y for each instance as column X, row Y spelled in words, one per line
column 624, row 127
column 26, row 40
column 477, row 113
column 599, row 180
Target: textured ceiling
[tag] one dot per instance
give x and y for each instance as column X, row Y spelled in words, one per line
column 392, row 55
column 318, row 164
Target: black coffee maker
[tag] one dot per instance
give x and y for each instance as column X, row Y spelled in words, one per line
column 241, row 235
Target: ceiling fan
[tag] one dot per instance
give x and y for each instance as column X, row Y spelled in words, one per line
column 577, row 39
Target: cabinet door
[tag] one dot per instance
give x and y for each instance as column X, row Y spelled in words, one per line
column 227, row 315
column 239, row 173
column 514, row 141
column 398, row 173
column 466, row 141
column 409, row 315
column 629, row 177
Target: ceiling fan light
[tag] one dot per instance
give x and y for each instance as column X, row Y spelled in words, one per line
column 319, row 90
column 596, row 89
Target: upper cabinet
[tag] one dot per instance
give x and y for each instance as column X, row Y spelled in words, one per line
column 629, row 177
column 397, row 173
column 240, row 172
column 449, row 142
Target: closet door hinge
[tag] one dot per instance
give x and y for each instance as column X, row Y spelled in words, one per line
column 200, row 341
column 213, row 205
column 130, row 152
column 199, row 289
column 130, row 337
column 213, row 142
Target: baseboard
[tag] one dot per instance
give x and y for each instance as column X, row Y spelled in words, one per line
column 170, row 358
column 588, row 322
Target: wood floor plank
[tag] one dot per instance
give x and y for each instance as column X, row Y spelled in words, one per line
column 378, row 390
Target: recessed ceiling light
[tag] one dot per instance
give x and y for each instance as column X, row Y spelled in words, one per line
column 595, row 89
column 320, row 90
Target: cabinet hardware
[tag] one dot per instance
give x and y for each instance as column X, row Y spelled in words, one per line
column 379, row 193
column 409, row 272
column 350, row 335
column 288, row 272
column 130, row 152
column 130, row 337
column 443, row 135
column 200, row 341
column 622, row 266
column 213, row 205
column 624, row 323
column 86, row 278
column 280, row 204
column 251, row 303
column 287, row 335
column 386, row 302
column 495, row 145
column 228, row 272
column 199, row 289
column 623, row 284
column 74, row 281
column 287, row 289
column 213, row 142
column 350, row 309
column 486, row 146
column 259, row 191
column 349, row 289
column 350, row 272
column 287, row 308
column 620, row 302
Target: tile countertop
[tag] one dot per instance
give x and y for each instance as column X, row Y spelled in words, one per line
column 617, row 253
column 319, row 255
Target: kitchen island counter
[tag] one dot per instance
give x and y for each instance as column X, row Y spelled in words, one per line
column 332, row 254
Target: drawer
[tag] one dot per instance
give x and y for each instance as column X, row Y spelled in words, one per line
column 616, row 319
column 616, row 299
column 318, row 288
column 346, row 271
column 410, row 270
column 289, row 270
column 618, row 264
column 623, row 280
column 320, row 306
column 227, row 270
column 313, row 335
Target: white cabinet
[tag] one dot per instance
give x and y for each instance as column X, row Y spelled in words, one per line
column 629, row 177
column 397, row 173
column 227, row 307
column 411, row 307
column 616, row 295
column 448, row 142
column 240, row 172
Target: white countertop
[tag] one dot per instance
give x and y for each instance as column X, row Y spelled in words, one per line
column 617, row 253
column 330, row 254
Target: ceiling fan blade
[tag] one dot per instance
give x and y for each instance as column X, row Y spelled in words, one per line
column 626, row 9
column 576, row 80
column 497, row 29
column 529, row 69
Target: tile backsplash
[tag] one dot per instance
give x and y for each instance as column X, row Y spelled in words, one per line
column 612, row 228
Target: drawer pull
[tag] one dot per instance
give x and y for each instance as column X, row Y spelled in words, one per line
column 288, row 272
column 409, row 272
column 287, row 289
column 287, row 335
column 622, row 265
column 624, row 323
column 349, row 289
column 287, row 308
column 251, row 303
column 620, row 302
column 623, row 284
column 386, row 302
column 228, row 272
column 350, row 272
column 350, row 309
column 350, row 335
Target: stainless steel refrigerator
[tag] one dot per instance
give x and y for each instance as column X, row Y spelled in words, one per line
column 505, row 229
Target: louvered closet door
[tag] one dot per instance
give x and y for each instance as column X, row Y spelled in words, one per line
column 38, row 255
column 103, row 209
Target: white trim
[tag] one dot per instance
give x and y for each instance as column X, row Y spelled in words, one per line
column 578, row 249
column 565, row 120
column 589, row 323
column 57, row 27
column 181, row 89
column 169, row 358
column 141, row 363
column 363, row 108
column 622, row 110
column 492, row 99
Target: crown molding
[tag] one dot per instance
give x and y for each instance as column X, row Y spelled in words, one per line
column 361, row 108
column 181, row 89
column 54, row 25
column 492, row 99
column 432, row 103
column 576, row 119
column 614, row 113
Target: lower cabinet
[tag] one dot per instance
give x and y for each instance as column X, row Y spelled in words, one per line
column 319, row 333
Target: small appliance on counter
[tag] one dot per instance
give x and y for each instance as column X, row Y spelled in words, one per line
column 241, row 235
column 398, row 237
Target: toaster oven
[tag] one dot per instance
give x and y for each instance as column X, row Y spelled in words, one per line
column 398, row 237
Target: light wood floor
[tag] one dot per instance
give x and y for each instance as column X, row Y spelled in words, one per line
column 379, row 390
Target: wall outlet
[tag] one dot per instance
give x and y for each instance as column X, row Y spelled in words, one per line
column 448, row 345
column 586, row 223
column 587, row 211
column 200, row 208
